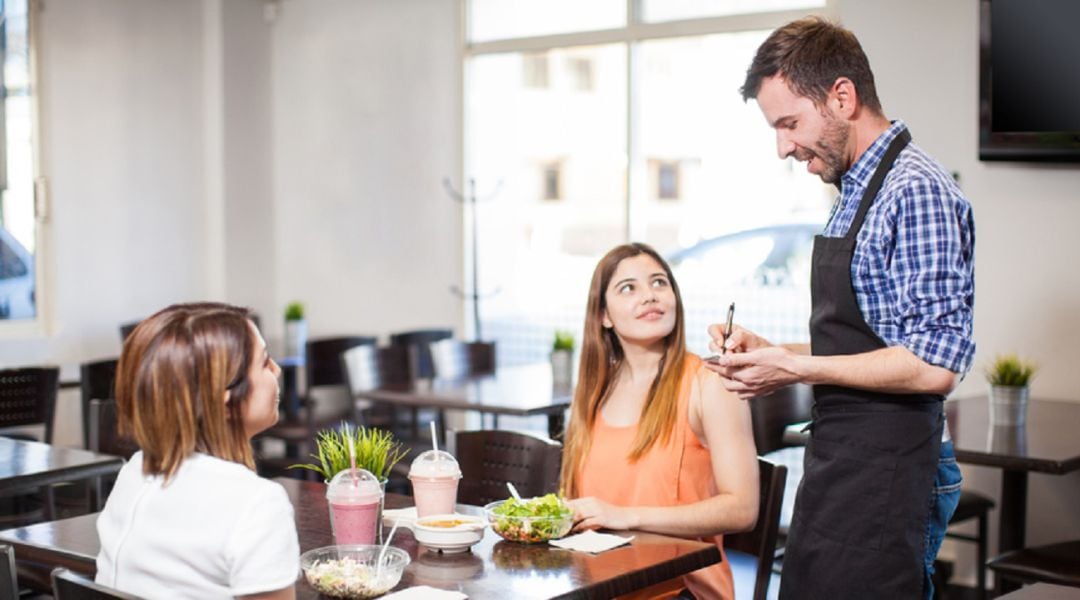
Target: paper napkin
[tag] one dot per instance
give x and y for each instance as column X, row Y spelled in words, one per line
column 591, row 541
column 423, row 592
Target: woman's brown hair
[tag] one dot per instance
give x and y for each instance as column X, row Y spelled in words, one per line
column 175, row 371
column 601, row 358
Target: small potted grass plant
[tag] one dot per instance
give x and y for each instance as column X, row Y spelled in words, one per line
column 377, row 451
column 562, row 358
column 1009, row 377
column 295, row 330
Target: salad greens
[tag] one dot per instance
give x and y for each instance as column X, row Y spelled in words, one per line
column 532, row 520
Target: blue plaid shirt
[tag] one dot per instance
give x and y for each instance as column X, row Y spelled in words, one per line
column 913, row 264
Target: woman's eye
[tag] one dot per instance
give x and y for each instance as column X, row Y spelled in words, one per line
column 626, row 288
column 659, row 283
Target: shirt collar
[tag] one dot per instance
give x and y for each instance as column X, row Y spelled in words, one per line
column 863, row 169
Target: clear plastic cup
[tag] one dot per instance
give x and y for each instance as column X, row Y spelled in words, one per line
column 434, row 476
column 354, row 507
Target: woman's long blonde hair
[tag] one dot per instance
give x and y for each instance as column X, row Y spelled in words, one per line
column 175, row 371
column 601, row 358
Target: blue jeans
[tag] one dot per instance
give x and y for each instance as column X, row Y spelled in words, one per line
column 942, row 505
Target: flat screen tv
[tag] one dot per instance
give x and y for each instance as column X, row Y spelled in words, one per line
column 1029, row 80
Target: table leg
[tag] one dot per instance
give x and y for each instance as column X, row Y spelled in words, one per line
column 1012, row 518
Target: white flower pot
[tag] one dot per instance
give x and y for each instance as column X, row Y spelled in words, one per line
column 295, row 338
column 562, row 368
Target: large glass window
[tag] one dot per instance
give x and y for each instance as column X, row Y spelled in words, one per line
column 647, row 140
column 17, row 212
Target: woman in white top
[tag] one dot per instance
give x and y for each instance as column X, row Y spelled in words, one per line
column 188, row 517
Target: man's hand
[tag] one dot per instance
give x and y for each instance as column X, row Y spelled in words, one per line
column 740, row 340
column 756, row 372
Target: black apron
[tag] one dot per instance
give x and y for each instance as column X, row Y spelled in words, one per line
column 861, row 512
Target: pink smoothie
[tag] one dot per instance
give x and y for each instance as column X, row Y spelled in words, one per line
column 435, row 495
column 354, row 523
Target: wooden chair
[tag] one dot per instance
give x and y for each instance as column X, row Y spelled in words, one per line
column 68, row 585
column 418, row 343
column 28, row 397
column 455, row 359
column 1053, row 563
column 973, row 505
column 9, row 583
column 490, row 458
column 97, row 379
column 104, row 435
column 755, row 548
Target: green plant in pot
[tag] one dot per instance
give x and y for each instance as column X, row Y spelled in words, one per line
column 295, row 329
column 377, row 451
column 1009, row 377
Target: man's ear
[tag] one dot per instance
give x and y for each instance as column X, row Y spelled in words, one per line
column 843, row 98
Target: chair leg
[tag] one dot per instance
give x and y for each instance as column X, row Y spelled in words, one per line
column 980, row 573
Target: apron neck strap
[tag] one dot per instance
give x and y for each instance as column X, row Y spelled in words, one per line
column 899, row 143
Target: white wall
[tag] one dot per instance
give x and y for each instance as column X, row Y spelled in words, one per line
column 924, row 54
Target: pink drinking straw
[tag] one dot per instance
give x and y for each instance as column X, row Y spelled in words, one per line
column 352, row 455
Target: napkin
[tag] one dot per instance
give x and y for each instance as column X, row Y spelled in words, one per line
column 404, row 516
column 591, row 541
column 423, row 592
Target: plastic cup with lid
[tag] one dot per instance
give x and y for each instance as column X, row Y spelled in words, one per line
column 434, row 476
column 354, row 506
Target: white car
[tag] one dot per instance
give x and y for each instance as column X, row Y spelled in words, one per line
column 16, row 279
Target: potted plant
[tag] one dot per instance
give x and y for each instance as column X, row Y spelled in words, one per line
column 562, row 358
column 376, row 451
column 295, row 330
column 1009, row 377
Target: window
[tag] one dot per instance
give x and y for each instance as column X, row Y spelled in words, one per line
column 535, row 71
column 654, row 144
column 18, row 298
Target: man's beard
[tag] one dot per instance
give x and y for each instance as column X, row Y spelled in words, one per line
column 830, row 149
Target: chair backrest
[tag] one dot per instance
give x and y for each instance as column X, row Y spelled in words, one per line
column 771, row 413
column 455, row 359
column 322, row 358
column 490, row 458
column 9, row 583
column 127, row 328
column 104, row 437
column 97, row 379
column 28, row 397
column 418, row 342
column 68, row 585
column 760, row 541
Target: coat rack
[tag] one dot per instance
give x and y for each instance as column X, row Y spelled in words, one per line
column 474, row 296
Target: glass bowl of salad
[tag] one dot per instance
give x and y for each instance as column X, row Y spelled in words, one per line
column 530, row 520
column 351, row 571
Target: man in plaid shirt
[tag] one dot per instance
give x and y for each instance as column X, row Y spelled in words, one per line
column 892, row 288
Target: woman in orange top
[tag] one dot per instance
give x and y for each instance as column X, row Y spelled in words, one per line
column 654, row 442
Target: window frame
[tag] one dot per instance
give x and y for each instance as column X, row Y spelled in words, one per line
column 40, row 324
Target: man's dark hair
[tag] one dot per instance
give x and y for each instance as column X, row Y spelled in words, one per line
column 811, row 54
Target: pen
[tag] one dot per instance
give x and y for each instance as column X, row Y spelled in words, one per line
column 727, row 327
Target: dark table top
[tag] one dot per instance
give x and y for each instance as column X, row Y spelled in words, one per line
column 494, row 568
column 520, row 390
column 1048, row 443
column 27, row 465
column 1043, row 591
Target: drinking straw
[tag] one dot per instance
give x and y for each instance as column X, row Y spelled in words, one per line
column 382, row 553
column 434, row 440
column 352, row 455
column 513, row 491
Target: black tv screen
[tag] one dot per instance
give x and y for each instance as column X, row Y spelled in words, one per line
column 1029, row 80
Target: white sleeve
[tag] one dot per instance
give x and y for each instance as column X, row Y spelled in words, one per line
column 263, row 552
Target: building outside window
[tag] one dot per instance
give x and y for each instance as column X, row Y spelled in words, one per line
column 654, row 143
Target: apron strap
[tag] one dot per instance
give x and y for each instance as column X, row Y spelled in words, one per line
column 899, row 143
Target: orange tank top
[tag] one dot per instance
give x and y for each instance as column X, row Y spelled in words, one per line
column 683, row 468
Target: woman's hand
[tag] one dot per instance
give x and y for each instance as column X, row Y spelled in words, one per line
column 593, row 513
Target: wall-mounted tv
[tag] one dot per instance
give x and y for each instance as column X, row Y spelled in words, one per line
column 1029, row 80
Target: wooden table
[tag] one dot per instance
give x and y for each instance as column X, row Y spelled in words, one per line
column 494, row 568
column 26, row 466
column 523, row 391
column 1043, row 591
column 1048, row 444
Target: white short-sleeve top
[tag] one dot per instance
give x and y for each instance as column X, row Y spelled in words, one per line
column 216, row 530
